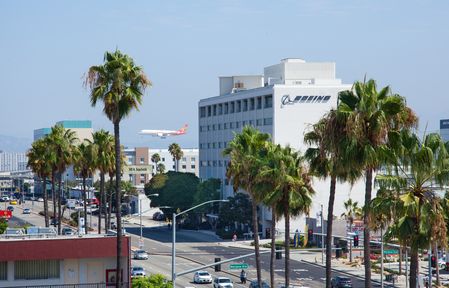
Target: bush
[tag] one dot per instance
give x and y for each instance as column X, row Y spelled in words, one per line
column 153, row 281
column 3, row 225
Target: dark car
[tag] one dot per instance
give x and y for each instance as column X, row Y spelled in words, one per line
column 341, row 282
column 54, row 221
column 254, row 284
column 10, row 208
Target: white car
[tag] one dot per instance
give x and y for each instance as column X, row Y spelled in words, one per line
column 223, row 282
column 202, row 277
column 137, row 271
column 442, row 263
column 141, row 255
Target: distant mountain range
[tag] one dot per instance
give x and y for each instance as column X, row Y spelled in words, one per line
column 14, row 144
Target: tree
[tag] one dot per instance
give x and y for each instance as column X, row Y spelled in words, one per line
column 3, row 225
column 407, row 201
column 120, row 85
column 176, row 153
column 371, row 116
column 237, row 210
column 292, row 193
column 103, row 143
column 160, row 168
column 328, row 158
column 153, row 281
column 84, row 165
column 353, row 211
column 39, row 164
column 246, row 152
column 155, row 158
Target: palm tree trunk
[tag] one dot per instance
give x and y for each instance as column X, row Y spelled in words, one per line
column 273, row 246
column 45, row 195
column 59, row 204
column 413, row 267
column 110, row 202
column 85, row 205
column 287, row 242
column 400, row 259
column 256, row 241
column 53, row 195
column 118, row 202
column 437, row 267
column 101, row 201
column 330, row 212
column 366, row 230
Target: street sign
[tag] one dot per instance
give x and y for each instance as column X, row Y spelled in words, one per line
column 387, row 252
column 238, row 266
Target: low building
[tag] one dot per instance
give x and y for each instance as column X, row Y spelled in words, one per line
column 62, row 260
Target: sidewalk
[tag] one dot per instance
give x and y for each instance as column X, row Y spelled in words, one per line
column 314, row 258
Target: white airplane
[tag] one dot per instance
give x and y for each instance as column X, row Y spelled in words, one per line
column 164, row 133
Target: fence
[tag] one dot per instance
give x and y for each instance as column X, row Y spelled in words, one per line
column 88, row 285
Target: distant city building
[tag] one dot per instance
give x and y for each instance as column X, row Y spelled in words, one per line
column 289, row 96
column 444, row 129
column 13, row 161
column 140, row 169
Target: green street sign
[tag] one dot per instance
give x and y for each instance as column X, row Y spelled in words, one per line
column 238, row 266
column 387, row 252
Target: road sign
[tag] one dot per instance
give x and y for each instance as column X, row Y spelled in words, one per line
column 238, row 266
column 387, row 252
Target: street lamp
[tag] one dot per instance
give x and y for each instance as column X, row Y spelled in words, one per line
column 140, row 216
column 173, row 247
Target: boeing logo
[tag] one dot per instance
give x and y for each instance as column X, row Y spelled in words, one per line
column 286, row 100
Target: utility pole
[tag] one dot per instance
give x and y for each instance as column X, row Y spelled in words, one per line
column 322, row 236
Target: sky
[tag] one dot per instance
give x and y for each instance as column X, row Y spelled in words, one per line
column 183, row 46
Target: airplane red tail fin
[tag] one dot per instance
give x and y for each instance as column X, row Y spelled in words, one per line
column 184, row 128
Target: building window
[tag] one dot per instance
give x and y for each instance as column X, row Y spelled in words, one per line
column 202, row 112
column 214, row 110
column 220, row 163
column 192, row 159
column 208, row 145
column 192, row 166
column 213, row 127
column 219, row 144
column 184, row 159
column 226, row 181
column 259, row 103
column 36, row 269
column 226, row 108
column 237, row 124
column 251, row 123
column 142, row 160
column 238, row 108
column 163, row 159
column 225, row 126
column 268, row 101
column 4, row 270
column 214, row 163
column 219, row 126
column 231, row 107
column 231, row 125
column 208, row 127
column 245, row 105
column 220, row 109
column 184, row 167
column 259, row 122
column 268, row 121
column 243, row 123
column 209, row 113
column 213, row 145
column 130, row 177
column 251, row 104
column 204, row 163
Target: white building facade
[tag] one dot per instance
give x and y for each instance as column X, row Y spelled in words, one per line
column 283, row 102
column 13, row 161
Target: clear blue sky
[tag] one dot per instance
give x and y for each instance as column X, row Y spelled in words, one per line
column 183, row 46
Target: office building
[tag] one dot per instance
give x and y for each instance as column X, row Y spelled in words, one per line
column 282, row 102
column 13, row 161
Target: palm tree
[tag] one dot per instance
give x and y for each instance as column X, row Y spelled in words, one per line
column 328, row 158
column 176, row 153
column 160, row 168
column 84, row 165
column 104, row 146
column 120, row 85
column 155, row 158
column 418, row 212
column 371, row 116
column 39, row 164
column 292, row 194
column 246, row 151
column 353, row 211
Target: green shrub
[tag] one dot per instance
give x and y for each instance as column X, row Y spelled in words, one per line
column 153, row 281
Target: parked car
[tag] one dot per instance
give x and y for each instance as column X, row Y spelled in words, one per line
column 4, row 199
column 27, row 211
column 341, row 282
column 223, row 282
column 13, row 202
column 40, row 199
column 67, row 231
column 10, row 208
column 254, row 284
column 137, row 271
column 202, row 277
column 54, row 221
column 159, row 216
column 141, row 255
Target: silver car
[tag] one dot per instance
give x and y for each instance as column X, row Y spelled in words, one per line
column 137, row 272
column 223, row 282
column 141, row 255
column 202, row 277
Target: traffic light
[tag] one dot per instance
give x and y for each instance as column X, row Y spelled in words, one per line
column 433, row 261
column 310, row 233
column 356, row 240
column 218, row 266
